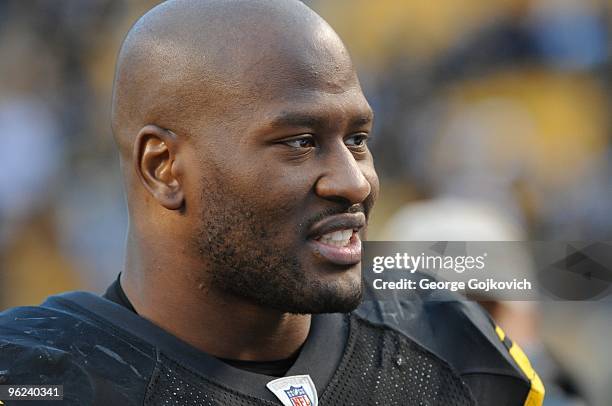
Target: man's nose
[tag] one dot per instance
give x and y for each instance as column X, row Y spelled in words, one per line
column 343, row 179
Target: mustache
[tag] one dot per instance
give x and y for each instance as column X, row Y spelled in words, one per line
column 342, row 208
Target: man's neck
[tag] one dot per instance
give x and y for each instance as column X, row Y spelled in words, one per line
column 222, row 326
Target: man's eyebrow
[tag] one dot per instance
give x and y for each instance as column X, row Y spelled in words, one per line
column 298, row 119
column 361, row 120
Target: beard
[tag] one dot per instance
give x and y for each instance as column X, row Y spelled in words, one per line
column 250, row 260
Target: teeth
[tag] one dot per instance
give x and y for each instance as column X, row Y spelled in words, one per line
column 340, row 238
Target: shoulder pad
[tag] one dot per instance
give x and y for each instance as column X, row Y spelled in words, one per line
column 56, row 345
column 28, row 355
column 464, row 335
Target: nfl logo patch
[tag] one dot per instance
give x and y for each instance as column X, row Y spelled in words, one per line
column 296, row 390
column 298, row 396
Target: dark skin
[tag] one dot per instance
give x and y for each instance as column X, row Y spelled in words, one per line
column 241, row 127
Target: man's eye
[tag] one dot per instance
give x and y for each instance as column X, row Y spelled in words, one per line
column 304, row 142
column 357, row 140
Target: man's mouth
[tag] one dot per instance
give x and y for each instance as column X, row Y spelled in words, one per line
column 340, row 238
column 336, row 238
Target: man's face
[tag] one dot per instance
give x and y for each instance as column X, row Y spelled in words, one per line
column 285, row 188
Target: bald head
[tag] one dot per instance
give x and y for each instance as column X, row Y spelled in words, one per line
column 187, row 62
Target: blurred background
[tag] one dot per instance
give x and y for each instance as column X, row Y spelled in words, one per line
column 491, row 116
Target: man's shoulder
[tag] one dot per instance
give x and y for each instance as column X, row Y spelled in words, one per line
column 463, row 335
column 61, row 343
column 65, row 322
column 43, row 322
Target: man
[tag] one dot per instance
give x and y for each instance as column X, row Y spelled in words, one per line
column 242, row 131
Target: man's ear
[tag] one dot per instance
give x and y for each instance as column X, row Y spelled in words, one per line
column 155, row 156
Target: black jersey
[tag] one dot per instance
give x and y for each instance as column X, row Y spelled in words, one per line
column 413, row 352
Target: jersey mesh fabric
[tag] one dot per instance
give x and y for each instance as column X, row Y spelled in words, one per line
column 383, row 367
column 379, row 367
column 175, row 385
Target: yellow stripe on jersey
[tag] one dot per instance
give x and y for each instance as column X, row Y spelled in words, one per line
column 536, row 393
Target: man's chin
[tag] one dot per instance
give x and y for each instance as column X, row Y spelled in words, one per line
column 324, row 298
